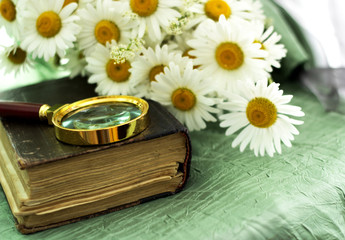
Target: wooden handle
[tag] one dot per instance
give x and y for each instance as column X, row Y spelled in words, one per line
column 20, row 110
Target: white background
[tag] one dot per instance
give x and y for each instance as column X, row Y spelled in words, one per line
column 323, row 22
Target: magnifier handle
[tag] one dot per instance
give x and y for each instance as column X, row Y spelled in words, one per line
column 22, row 110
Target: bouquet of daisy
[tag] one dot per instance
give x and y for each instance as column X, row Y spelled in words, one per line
column 205, row 60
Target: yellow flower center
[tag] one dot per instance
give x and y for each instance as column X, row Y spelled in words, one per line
column 17, row 56
column 186, row 54
column 215, row 8
column 183, row 99
column 81, row 56
column 155, row 71
column 262, row 46
column 261, row 112
column 105, row 31
column 48, row 24
column 118, row 72
column 144, row 8
column 66, row 2
column 229, row 56
column 8, row 10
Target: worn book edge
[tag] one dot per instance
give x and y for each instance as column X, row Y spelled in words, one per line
column 25, row 230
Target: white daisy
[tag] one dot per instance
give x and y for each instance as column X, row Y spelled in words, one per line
column 184, row 92
column 192, row 6
column 213, row 9
column 179, row 42
column 150, row 64
column 81, row 3
column 75, row 62
column 103, row 23
column 14, row 59
column 261, row 111
column 254, row 7
column 154, row 15
column 10, row 18
column 227, row 52
column 149, row 42
column 48, row 28
column 111, row 78
column 269, row 42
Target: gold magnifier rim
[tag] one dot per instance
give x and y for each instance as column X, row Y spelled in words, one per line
column 105, row 135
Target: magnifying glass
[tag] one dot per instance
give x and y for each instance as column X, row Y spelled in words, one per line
column 92, row 121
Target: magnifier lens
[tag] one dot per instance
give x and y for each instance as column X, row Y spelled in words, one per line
column 101, row 116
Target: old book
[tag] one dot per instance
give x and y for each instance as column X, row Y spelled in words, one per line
column 48, row 183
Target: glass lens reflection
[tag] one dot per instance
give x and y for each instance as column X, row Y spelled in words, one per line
column 101, row 116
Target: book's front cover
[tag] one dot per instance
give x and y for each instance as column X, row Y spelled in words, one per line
column 35, row 142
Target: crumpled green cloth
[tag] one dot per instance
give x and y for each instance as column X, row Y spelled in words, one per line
column 233, row 195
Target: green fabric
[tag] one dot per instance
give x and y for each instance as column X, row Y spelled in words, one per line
column 233, row 195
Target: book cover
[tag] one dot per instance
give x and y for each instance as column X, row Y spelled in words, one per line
column 35, row 147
